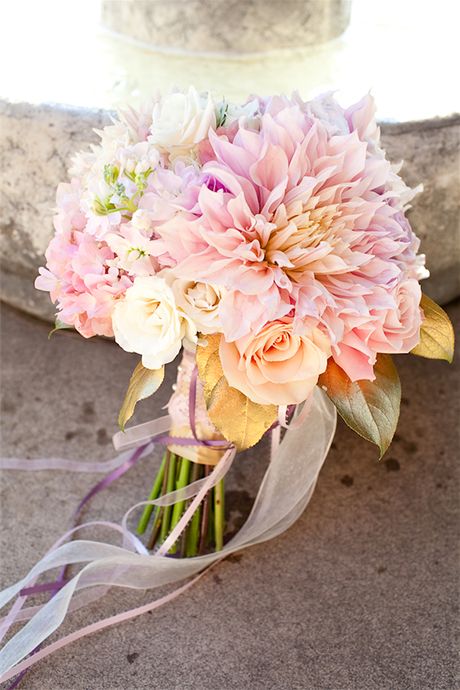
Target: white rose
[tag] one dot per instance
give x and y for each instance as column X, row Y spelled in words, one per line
column 200, row 301
column 181, row 120
column 147, row 321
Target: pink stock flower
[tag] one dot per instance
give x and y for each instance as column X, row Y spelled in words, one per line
column 82, row 283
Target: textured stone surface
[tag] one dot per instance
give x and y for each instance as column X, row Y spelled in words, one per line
column 360, row 594
column 431, row 153
column 36, row 143
column 227, row 26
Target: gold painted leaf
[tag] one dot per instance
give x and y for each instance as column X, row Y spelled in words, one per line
column 371, row 408
column 208, row 363
column 143, row 383
column 238, row 419
column 436, row 334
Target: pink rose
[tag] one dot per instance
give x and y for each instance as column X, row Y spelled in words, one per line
column 277, row 366
column 398, row 330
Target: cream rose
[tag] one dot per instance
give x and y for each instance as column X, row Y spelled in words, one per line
column 277, row 366
column 148, row 321
column 181, row 120
column 200, row 301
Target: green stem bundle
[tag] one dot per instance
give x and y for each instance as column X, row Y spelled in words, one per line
column 205, row 530
column 155, row 492
column 219, row 514
column 170, row 486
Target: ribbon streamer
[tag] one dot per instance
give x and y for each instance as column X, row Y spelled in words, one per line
column 285, row 491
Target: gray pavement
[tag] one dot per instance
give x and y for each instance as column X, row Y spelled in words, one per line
column 361, row 593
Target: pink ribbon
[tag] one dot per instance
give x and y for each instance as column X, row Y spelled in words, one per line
column 23, row 666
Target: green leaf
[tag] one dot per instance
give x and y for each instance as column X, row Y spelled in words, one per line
column 436, row 334
column 59, row 326
column 239, row 420
column 371, row 408
column 143, row 383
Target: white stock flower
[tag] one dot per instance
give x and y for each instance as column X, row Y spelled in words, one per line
column 138, row 158
column 142, row 221
column 133, row 250
column 200, row 301
column 148, row 321
column 232, row 112
column 181, row 120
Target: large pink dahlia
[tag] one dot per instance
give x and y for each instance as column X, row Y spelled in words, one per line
column 304, row 217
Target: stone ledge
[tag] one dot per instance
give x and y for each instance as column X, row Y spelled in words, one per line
column 227, row 26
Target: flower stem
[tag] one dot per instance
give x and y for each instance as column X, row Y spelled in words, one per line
column 169, row 487
column 211, row 527
column 205, row 516
column 193, row 534
column 193, row 530
column 159, row 512
column 181, row 483
column 219, row 510
column 156, row 529
column 155, row 492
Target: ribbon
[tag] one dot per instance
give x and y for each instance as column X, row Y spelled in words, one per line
column 285, row 491
column 118, row 467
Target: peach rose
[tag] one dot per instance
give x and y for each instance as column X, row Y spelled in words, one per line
column 277, row 366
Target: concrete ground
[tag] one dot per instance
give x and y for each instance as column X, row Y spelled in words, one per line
column 361, row 593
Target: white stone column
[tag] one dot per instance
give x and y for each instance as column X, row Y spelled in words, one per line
column 227, row 26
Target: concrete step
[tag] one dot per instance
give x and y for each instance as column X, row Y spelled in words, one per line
column 359, row 594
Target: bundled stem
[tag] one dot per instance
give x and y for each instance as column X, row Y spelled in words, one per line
column 219, row 514
column 182, row 481
column 170, row 486
column 191, row 542
column 204, row 518
column 155, row 492
column 206, row 527
column 159, row 512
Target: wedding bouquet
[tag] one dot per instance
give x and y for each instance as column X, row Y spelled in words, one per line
column 269, row 242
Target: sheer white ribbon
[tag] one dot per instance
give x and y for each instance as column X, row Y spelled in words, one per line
column 285, row 491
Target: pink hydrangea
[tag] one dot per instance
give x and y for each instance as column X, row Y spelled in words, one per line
column 80, row 279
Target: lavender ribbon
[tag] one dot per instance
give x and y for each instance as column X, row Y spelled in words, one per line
column 283, row 494
column 163, row 439
column 55, row 586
